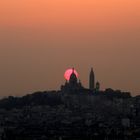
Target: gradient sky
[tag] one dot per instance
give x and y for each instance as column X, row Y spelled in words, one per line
column 40, row 39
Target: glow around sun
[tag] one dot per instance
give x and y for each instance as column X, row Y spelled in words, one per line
column 68, row 73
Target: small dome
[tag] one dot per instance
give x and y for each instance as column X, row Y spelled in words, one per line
column 97, row 83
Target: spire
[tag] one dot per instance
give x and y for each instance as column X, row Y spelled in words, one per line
column 91, row 80
column 73, row 70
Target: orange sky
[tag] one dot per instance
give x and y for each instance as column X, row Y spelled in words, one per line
column 32, row 13
column 39, row 39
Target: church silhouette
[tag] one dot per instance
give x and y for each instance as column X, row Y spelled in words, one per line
column 74, row 84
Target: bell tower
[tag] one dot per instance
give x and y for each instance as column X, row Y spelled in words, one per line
column 91, row 80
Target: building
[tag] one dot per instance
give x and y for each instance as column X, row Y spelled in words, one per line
column 73, row 84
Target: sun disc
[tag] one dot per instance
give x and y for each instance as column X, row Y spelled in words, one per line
column 68, row 73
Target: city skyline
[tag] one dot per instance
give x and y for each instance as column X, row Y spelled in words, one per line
column 39, row 40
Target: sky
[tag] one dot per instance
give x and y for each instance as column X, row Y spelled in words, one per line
column 40, row 39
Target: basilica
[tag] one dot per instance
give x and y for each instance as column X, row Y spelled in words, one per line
column 75, row 85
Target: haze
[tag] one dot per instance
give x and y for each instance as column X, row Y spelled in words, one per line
column 40, row 39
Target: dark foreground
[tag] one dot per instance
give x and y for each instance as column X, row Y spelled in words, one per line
column 70, row 117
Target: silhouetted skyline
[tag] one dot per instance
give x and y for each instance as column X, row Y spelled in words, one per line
column 39, row 40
